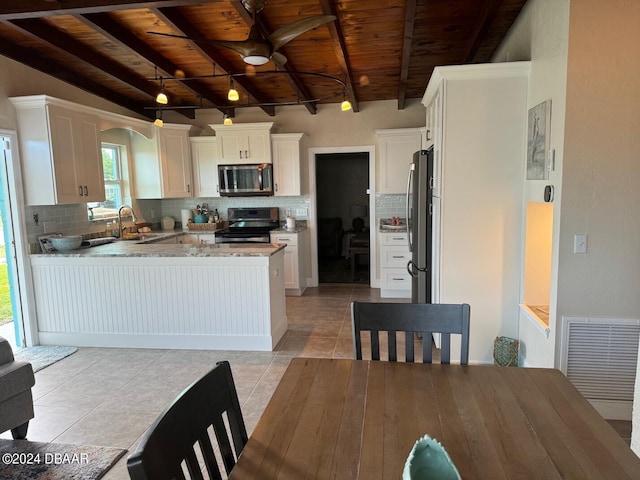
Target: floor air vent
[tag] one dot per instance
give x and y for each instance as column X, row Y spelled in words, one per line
column 600, row 356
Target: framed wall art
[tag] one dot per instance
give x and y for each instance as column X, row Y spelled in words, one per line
column 538, row 137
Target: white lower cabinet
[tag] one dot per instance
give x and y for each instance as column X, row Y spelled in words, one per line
column 395, row 280
column 294, row 260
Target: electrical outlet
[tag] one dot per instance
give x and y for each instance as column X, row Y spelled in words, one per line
column 301, row 212
column 153, row 213
column 49, row 227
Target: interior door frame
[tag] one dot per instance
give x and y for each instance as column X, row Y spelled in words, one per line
column 20, row 249
column 312, row 224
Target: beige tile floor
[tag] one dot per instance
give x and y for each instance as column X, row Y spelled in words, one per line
column 108, row 396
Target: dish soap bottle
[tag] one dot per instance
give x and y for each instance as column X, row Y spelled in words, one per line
column 216, row 216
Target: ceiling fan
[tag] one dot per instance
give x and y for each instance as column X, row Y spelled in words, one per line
column 257, row 50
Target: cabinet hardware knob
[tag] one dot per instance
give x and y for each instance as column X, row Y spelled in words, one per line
column 246, row 154
column 240, row 153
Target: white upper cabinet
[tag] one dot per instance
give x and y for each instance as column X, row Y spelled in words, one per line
column 204, row 156
column 397, row 147
column 162, row 164
column 287, row 151
column 244, row 142
column 61, row 152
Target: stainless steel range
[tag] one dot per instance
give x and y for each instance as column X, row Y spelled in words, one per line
column 249, row 225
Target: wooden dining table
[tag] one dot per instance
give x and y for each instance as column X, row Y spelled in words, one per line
column 355, row 419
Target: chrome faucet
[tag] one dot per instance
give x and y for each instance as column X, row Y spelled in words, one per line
column 133, row 218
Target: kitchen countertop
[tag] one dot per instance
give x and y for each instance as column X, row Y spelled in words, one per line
column 132, row 248
column 385, row 226
column 283, row 229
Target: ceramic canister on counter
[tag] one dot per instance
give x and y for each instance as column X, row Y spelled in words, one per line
column 168, row 223
column 291, row 223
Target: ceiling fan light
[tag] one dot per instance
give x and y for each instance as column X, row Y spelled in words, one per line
column 162, row 98
column 345, row 105
column 255, row 59
column 227, row 120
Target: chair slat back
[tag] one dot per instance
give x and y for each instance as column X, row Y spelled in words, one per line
column 411, row 318
column 169, row 443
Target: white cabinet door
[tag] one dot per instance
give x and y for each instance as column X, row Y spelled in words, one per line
column 176, row 163
column 90, row 154
column 252, row 146
column 61, row 156
column 66, row 176
column 230, row 146
column 204, row 154
column 294, row 260
column 286, row 163
column 244, row 143
column 162, row 165
column 397, row 147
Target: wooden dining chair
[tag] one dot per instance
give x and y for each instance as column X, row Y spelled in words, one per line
column 181, row 435
column 411, row 318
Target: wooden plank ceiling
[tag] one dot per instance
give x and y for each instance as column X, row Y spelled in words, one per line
column 376, row 49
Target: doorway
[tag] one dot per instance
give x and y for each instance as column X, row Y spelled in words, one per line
column 341, row 206
column 14, row 274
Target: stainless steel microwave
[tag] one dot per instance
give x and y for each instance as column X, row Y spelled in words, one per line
column 240, row 180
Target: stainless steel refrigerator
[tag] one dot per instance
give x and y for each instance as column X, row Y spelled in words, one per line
column 420, row 208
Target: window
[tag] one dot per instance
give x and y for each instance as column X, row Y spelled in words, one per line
column 113, row 184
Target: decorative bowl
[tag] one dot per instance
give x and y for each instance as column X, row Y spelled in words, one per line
column 200, row 218
column 66, row 244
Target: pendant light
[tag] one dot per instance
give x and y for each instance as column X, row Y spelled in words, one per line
column 158, row 121
column 226, row 119
column 233, row 95
column 161, row 98
column 345, row 106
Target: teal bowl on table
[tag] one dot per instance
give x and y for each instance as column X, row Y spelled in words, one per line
column 200, row 218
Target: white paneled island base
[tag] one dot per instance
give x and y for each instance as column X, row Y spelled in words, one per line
column 216, row 302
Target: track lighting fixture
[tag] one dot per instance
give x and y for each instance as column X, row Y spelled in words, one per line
column 234, row 96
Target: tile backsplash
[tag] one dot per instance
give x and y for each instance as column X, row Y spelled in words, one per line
column 72, row 219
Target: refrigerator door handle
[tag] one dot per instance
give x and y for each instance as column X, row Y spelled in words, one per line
column 411, row 266
column 409, row 179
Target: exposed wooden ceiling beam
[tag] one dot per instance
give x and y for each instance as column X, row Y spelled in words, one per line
column 407, row 39
column 34, row 60
column 44, row 32
column 177, row 20
column 13, row 10
column 341, row 51
column 294, row 81
column 110, row 28
column 485, row 17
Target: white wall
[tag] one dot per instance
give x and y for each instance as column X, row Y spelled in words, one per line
column 541, row 34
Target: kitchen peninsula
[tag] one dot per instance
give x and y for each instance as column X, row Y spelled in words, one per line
column 132, row 295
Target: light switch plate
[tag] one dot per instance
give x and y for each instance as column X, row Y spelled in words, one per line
column 580, row 243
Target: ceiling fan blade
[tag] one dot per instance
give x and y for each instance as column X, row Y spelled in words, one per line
column 285, row 34
column 243, row 47
column 278, row 58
